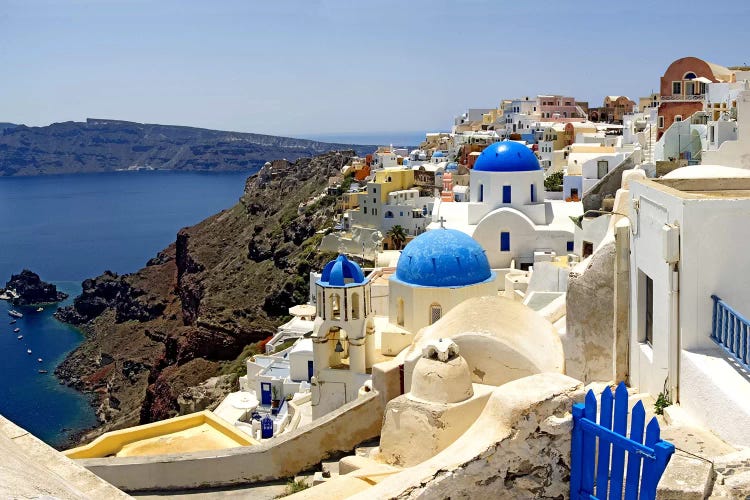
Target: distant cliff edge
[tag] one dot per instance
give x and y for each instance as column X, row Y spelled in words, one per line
column 155, row 336
column 100, row 145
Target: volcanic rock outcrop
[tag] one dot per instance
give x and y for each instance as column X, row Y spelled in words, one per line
column 200, row 306
column 32, row 290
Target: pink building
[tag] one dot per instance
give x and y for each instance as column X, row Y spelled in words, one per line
column 556, row 108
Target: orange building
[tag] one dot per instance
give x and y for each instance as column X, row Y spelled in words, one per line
column 683, row 89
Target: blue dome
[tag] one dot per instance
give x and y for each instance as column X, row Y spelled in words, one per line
column 507, row 156
column 443, row 258
column 438, row 154
column 342, row 272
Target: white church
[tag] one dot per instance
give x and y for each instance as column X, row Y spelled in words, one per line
column 507, row 213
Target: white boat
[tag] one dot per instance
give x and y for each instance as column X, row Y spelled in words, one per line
column 20, row 337
column 39, row 309
column 28, row 351
column 16, row 330
column 39, row 359
column 15, row 314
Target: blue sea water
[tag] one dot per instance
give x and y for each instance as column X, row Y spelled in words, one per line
column 71, row 227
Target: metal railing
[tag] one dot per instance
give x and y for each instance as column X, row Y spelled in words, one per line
column 731, row 330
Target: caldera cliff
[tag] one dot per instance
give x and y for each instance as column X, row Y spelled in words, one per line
column 193, row 311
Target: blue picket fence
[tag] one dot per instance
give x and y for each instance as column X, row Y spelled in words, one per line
column 602, row 473
column 731, row 331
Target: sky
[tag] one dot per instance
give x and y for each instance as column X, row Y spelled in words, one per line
column 325, row 68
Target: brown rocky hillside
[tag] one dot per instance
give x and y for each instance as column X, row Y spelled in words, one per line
column 225, row 283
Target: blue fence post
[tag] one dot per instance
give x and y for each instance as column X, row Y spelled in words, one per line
column 602, row 463
column 589, row 448
column 576, row 452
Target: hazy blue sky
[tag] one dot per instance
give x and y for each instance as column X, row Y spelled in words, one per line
column 319, row 67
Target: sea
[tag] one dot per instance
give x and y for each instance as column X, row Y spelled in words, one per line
column 67, row 228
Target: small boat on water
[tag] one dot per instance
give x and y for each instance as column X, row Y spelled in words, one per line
column 13, row 321
column 42, row 371
column 15, row 313
column 39, row 309
column 16, row 330
column 39, row 359
column 20, row 337
column 28, row 351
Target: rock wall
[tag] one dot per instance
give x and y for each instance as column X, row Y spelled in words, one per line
column 518, row 448
column 588, row 341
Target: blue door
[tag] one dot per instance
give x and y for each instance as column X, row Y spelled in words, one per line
column 266, row 427
column 265, row 393
column 309, row 370
column 533, row 193
column 506, row 194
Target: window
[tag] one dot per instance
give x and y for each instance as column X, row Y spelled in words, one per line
column 676, row 88
column 505, row 241
column 506, row 194
column 388, row 215
column 661, row 122
column 570, row 246
column 374, row 200
column 602, row 166
column 364, row 210
column 436, row 311
column 712, row 133
column 374, row 191
column 678, row 118
column 689, row 76
column 648, row 336
column 481, row 193
column 533, row 193
column 574, row 193
column 588, row 249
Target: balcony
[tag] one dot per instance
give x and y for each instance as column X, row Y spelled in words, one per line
column 731, row 331
column 684, row 98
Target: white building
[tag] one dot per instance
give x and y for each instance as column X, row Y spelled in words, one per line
column 507, row 213
column 689, row 243
column 343, row 337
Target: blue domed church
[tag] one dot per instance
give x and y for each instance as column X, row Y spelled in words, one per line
column 436, row 271
column 507, row 213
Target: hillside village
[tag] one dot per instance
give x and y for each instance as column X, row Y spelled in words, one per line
column 485, row 282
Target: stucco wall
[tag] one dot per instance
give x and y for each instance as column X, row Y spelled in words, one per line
column 519, row 447
column 280, row 457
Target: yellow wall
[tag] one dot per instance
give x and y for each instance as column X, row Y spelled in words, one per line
column 400, row 179
column 111, row 442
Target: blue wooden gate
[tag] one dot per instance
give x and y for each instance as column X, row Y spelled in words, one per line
column 265, row 393
column 601, row 475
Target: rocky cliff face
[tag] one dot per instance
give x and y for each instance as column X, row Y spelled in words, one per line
column 108, row 145
column 225, row 283
column 32, row 290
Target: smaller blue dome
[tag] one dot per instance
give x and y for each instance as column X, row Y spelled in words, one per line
column 452, row 166
column 507, row 156
column 438, row 154
column 443, row 258
column 341, row 272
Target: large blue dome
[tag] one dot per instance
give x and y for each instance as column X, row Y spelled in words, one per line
column 507, row 156
column 342, row 272
column 443, row 258
column 438, row 154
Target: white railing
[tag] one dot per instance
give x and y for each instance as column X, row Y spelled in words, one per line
column 694, row 97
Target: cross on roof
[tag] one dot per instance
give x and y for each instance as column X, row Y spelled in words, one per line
column 441, row 220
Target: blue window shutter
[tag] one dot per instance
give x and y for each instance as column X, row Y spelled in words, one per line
column 505, row 241
column 570, row 246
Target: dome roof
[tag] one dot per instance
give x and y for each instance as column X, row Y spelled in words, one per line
column 342, row 272
column 438, row 154
column 443, row 258
column 507, row 156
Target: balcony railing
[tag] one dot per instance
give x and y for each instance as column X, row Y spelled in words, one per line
column 690, row 97
column 731, row 330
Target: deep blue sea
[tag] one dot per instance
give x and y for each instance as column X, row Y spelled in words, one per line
column 71, row 227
